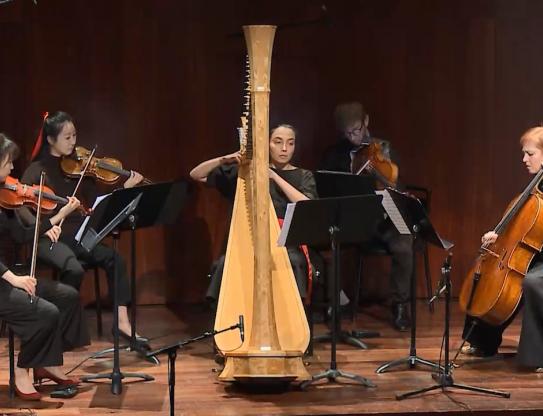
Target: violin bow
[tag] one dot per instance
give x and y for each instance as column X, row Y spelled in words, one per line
column 36, row 232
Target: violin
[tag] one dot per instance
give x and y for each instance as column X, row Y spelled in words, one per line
column 371, row 158
column 14, row 194
column 105, row 169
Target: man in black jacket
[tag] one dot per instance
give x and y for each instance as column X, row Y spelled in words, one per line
column 352, row 124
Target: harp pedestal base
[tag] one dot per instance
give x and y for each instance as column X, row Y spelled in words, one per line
column 264, row 367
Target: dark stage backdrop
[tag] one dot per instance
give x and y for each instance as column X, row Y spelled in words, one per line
column 158, row 84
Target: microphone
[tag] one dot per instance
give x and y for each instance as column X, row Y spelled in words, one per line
column 241, row 327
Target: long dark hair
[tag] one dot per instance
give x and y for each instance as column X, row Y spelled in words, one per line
column 8, row 148
column 52, row 126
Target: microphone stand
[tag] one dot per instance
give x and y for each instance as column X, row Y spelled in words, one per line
column 171, row 350
column 444, row 378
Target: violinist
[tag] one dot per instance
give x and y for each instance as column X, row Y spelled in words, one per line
column 56, row 140
column 53, row 322
column 352, row 122
column 288, row 183
column 485, row 339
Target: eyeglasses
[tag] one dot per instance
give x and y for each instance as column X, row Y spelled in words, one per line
column 355, row 131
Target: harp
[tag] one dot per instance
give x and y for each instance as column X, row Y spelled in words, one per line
column 258, row 281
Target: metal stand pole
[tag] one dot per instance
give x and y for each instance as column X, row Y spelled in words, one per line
column 412, row 359
column 332, row 374
column 444, row 378
column 116, row 376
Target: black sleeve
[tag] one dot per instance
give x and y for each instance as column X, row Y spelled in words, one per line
column 308, row 186
column 3, row 269
column 89, row 192
column 32, row 174
column 224, row 179
column 329, row 160
column 20, row 225
column 3, row 228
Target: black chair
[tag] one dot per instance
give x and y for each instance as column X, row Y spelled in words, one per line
column 377, row 248
column 97, row 292
column 11, row 354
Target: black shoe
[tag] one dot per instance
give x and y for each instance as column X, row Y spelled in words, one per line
column 477, row 351
column 142, row 343
column 344, row 311
column 400, row 317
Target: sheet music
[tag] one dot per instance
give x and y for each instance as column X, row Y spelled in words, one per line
column 392, row 211
column 286, row 224
column 85, row 222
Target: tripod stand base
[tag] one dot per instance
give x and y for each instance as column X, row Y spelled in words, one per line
column 141, row 354
column 411, row 361
column 365, row 333
column 446, row 381
column 343, row 336
column 116, row 379
column 333, row 375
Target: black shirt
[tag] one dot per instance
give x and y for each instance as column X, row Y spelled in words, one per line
column 11, row 224
column 63, row 186
column 224, row 178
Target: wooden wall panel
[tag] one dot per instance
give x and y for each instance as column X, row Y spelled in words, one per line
column 452, row 84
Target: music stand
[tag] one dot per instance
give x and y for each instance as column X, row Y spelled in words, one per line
column 158, row 204
column 332, row 221
column 331, row 184
column 336, row 184
column 414, row 215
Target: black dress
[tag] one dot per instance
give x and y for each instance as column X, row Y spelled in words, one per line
column 52, row 322
column 224, row 178
column 66, row 255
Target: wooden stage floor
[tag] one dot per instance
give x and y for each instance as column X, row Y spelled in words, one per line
column 199, row 393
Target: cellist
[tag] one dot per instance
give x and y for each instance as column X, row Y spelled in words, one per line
column 484, row 339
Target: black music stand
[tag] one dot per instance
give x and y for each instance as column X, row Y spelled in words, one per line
column 414, row 215
column 331, row 184
column 157, row 204
column 332, row 221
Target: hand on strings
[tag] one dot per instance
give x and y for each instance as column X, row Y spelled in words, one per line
column 134, row 179
column 489, row 238
column 71, row 206
column 27, row 283
column 54, row 233
column 231, row 158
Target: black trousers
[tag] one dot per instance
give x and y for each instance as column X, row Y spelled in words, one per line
column 401, row 250
column 298, row 262
column 65, row 256
column 51, row 324
column 530, row 347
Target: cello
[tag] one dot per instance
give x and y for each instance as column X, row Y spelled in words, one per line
column 258, row 281
column 493, row 287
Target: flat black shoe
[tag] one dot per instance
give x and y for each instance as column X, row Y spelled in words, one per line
column 142, row 342
column 400, row 317
column 477, row 351
column 64, row 393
